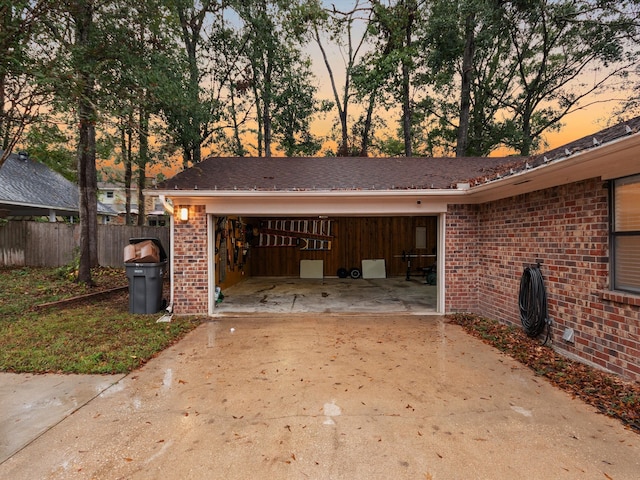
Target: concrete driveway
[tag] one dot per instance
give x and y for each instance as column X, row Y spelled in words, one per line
column 331, row 397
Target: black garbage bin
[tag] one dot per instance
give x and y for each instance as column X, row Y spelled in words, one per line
column 146, row 278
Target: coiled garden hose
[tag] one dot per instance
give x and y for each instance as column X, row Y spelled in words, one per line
column 533, row 303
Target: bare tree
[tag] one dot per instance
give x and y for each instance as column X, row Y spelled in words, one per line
column 556, row 46
column 21, row 96
column 348, row 31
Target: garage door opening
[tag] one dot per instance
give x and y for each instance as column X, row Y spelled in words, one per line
column 326, row 264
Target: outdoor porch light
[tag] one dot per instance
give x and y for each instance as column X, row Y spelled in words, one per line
column 184, row 214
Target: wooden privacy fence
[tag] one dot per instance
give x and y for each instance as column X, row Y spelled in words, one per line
column 34, row 244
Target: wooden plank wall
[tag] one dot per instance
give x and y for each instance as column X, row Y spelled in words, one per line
column 51, row 244
column 38, row 244
column 355, row 239
column 13, row 236
column 113, row 238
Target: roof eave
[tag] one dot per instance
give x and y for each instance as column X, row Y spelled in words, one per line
column 618, row 158
column 311, row 203
column 614, row 159
column 37, row 206
column 195, row 195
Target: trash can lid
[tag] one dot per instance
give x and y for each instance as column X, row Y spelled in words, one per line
column 156, row 241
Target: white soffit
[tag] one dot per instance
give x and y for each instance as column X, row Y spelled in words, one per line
column 616, row 159
column 328, row 203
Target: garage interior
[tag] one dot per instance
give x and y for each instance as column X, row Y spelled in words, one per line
column 326, row 264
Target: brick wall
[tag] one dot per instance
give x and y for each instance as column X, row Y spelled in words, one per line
column 462, row 258
column 566, row 228
column 191, row 289
column 487, row 248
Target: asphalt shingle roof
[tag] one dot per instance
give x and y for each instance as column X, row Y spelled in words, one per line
column 331, row 173
column 28, row 182
column 357, row 173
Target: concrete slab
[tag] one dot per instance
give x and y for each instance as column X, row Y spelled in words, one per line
column 328, row 396
column 329, row 295
column 32, row 404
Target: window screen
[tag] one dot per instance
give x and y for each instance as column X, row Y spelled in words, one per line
column 626, row 234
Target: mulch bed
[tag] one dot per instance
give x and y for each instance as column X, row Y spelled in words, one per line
column 608, row 393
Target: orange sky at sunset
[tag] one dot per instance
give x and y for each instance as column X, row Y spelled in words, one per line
column 575, row 125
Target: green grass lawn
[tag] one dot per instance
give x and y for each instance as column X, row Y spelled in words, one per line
column 93, row 336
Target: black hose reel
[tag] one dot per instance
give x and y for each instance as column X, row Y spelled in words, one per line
column 533, row 303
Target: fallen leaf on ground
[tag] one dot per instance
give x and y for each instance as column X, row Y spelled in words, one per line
column 608, row 393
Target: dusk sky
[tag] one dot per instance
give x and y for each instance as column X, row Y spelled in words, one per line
column 576, row 125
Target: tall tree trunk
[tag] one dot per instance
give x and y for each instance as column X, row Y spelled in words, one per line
column 407, row 113
column 345, row 149
column 88, row 187
column 87, row 178
column 266, row 106
column 191, row 28
column 259, row 120
column 142, row 163
column 5, row 21
column 342, row 106
column 525, row 146
column 195, row 138
column 128, row 173
column 238, row 148
column 187, row 158
column 465, row 92
column 366, row 129
column 4, row 138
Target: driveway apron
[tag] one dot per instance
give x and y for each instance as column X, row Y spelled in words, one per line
column 31, row 404
column 331, row 397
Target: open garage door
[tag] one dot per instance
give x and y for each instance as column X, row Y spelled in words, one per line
column 327, row 264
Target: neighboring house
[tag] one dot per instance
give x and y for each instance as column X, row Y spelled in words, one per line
column 114, row 195
column 478, row 222
column 29, row 188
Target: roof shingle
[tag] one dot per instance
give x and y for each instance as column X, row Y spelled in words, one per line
column 331, row 173
column 29, row 183
column 358, row 173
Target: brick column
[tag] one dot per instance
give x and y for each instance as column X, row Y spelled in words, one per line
column 190, row 263
column 461, row 259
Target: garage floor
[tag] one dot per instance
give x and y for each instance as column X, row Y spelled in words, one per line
column 329, row 295
column 330, row 397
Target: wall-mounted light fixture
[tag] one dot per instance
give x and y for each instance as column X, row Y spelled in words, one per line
column 184, row 214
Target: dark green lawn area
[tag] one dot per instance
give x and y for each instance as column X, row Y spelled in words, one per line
column 89, row 336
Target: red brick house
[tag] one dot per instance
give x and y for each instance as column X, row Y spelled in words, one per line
column 574, row 210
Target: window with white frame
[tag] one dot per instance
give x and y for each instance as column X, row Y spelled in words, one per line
column 625, row 234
